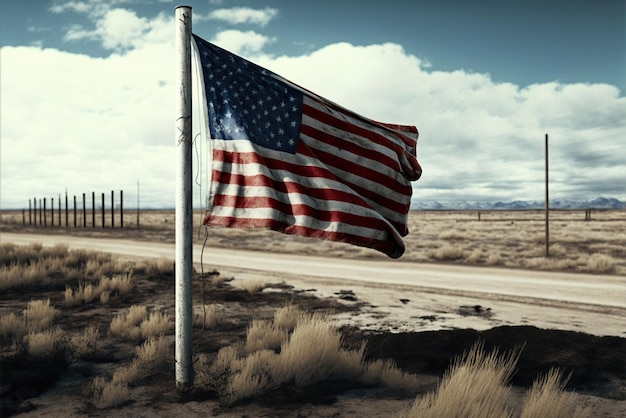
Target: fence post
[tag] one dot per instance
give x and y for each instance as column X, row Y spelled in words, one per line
column 93, row 209
column 30, row 219
column 84, row 212
column 102, row 210
column 74, row 211
column 23, row 217
column 52, row 211
column 45, row 221
column 67, row 217
column 122, row 209
column 59, row 210
column 112, row 211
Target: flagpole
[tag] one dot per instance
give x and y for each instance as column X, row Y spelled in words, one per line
column 184, row 209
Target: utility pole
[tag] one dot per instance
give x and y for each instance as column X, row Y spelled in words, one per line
column 547, row 205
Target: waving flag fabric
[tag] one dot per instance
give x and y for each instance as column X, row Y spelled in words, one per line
column 289, row 160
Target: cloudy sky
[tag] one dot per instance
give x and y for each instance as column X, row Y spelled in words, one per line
column 87, row 92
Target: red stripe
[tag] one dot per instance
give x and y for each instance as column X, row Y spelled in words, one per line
column 349, row 146
column 308, row 171
column 291, row 187
column 260, row 180
column 360, row 170
column 319, row 213
column 392, row 248
column 372, row 135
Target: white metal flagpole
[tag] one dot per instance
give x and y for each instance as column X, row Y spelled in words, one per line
column 184, row 202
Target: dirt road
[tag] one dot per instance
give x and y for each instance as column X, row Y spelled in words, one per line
column 590, row 303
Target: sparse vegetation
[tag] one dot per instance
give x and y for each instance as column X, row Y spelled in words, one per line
column 477, row 385
column 275, row 353
column 253, row 286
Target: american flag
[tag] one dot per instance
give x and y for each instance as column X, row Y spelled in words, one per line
column 289, row 160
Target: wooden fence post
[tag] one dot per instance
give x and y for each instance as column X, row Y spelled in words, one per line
column 45, row 222
column 93, row 209
column 121, row 209
column 67, row 217
column 74, row 211
column 52, row 211
column 30, row 219
column 102, row 210
column 112, row 211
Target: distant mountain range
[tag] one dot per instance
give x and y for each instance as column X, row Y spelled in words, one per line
column 599, row 203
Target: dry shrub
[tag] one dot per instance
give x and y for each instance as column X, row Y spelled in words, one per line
column 446, row 252
column 288, row 317
column 207, row 316
column 158, row 323
column 122, row 283
column 85, row 293
column 253, row 286
column 152, row 352
column 109, row 394
column 85, row 344
column 13, row 325
column 88, row 292
column 127, row 326
column 137, row 324
column 475, row 386
column 254, row 376
column 39, row 314
column 105, row 297
column 547, row 397
column 264, row 335
column 45, row 343
column 600, row 263
column 157, row 267
column 385, row 372
column 451, row 235
column 312, row 353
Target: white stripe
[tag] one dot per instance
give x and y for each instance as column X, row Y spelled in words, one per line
column 304, row 221
column 320, row 183
column 311, row 182
column 357, row 139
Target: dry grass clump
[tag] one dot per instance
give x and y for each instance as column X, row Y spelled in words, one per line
column 600, row 263
column 34, row 264
column 119, row 285
column 207, row 316
column 446, row 252
column 253, row 286
column 547, row 397
column 44, row 343
column 297, row 348
column 39, row 314
column 149, row 357
column 85, row 344
column 137, row 324
column 156, row 267
column 477, row 386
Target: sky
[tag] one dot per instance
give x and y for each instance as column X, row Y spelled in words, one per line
column 87, row 90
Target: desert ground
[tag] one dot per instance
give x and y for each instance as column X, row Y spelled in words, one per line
column 595, row 363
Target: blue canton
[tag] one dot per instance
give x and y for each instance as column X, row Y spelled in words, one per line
column 246, row 101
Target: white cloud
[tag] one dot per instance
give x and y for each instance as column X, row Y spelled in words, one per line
column 242, row 43
column 238, row 15
column 96, row 124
